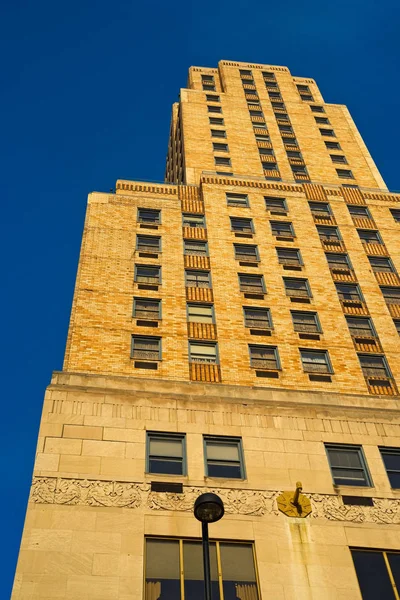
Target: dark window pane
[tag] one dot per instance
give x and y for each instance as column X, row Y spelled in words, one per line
column 169, row 466
column 162, row 570
column 394, row 479
column 391, row 460
column 372, row 575
column 193, row 570
column 224, row 470
column 239, row 580
column 394, row 561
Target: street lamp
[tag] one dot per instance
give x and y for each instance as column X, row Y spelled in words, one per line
column 208, row 508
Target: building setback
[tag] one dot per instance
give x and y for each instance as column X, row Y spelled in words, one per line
column 235, row 329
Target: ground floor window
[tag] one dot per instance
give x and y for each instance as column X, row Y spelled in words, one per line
column 378, row 573
column 174, row 570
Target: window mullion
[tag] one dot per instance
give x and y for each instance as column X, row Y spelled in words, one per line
column 395, row 591
column 181, row 570
column 219, row 568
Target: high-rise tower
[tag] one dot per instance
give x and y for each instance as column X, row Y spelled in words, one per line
column 235, row 329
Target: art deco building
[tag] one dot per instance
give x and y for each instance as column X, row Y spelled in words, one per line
column 234, row 329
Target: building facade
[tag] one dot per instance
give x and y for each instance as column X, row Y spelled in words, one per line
column 234, row 329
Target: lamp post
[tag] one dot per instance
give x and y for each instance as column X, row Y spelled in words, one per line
column 208, row 508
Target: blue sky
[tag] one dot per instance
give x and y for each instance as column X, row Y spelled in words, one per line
column 85, row 99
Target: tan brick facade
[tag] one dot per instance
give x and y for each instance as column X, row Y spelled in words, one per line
column 92, row 505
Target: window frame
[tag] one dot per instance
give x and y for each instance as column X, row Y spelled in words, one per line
column 393, row 451
column 363, row 462
column 223, row 148
column 216, row 121
column 366, row 215
column 140, row 266
column 395, row 212
column 317, row 108
column 325, row 132
column 247, row 257
column 345, row 173
column 193, row 216
column 190, row 241
column 203, row 304
column 389, row 263
column 305, row 281
column 385, row 364
column 328, row 364
column 269, row 324
column 166, row 435
column 274, row 348
column 214, row 109
column 218, row 133
column 139, row 298
column 378, row 240
column 288, row 234
column 222, row 161
column 140, row 236
column 232, row 195
column 248, row 220
column 227, row 439
column 157, row 338
column 254, row 276
column 198, row 271
column 299, row 262
column 276, row 209
column 153, row 210
column 203, row 343
column 314, row 314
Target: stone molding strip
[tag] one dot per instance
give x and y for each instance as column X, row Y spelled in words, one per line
column 256, row 503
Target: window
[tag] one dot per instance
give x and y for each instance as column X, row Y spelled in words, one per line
column 278, row 105
column 374, row 365
column 348, row 466
column 209, row 78
column 327, row 132
column 322, row 120
column 380, row 264
column 285, row 128
column 255, row 113
column 259, row 125
column 224, row 457
column 320, row 208
column 303, row 88
column 345, row 173
column 264, row 357
column 315, row 361
column 242, row 225
column 307, row 97
column 253, row 284
column 147, row 215
column 146, row 348
column 369, row 236
column 397, row 325
column 269, row 166
column 359, row 211
column 246, row 252
column 148, row 243
column 174, row 569
column 212, row 98
column 268, row 75
column 293, row 154
column 166, row 453
column 192, row 220
column 195, row 247
column 244, row 72
column 332, row 145
column 221, row 160
column 349, row 291
column 277, row 205
column 289, row 256
column 147, row 274
column 203, row 352
column 299, row 170
column 283, row 117
column 217, row 147
column 214, row 109
column 297, row 288
column 395, row 214
column 262, row 138
column 208, row 87
column 237, row 199
column 219, row 133
column 328, row 234
column 215, row 120
column 282, row 229
column 317, row 109
column 200, row 313
column 258, row 318
column 338, row 261
column 305, row 322
column 338, row 158
column 199, row 279
column 391, row 460
column 272, row 84
column 378, row 573
column 391, row 294
column 289, row 141
column 147, row 309
column 224, row 173
column 360, row 327
column 266, row 152
column 274, row 95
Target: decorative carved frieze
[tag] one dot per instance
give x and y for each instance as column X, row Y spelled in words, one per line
column 257, row 503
